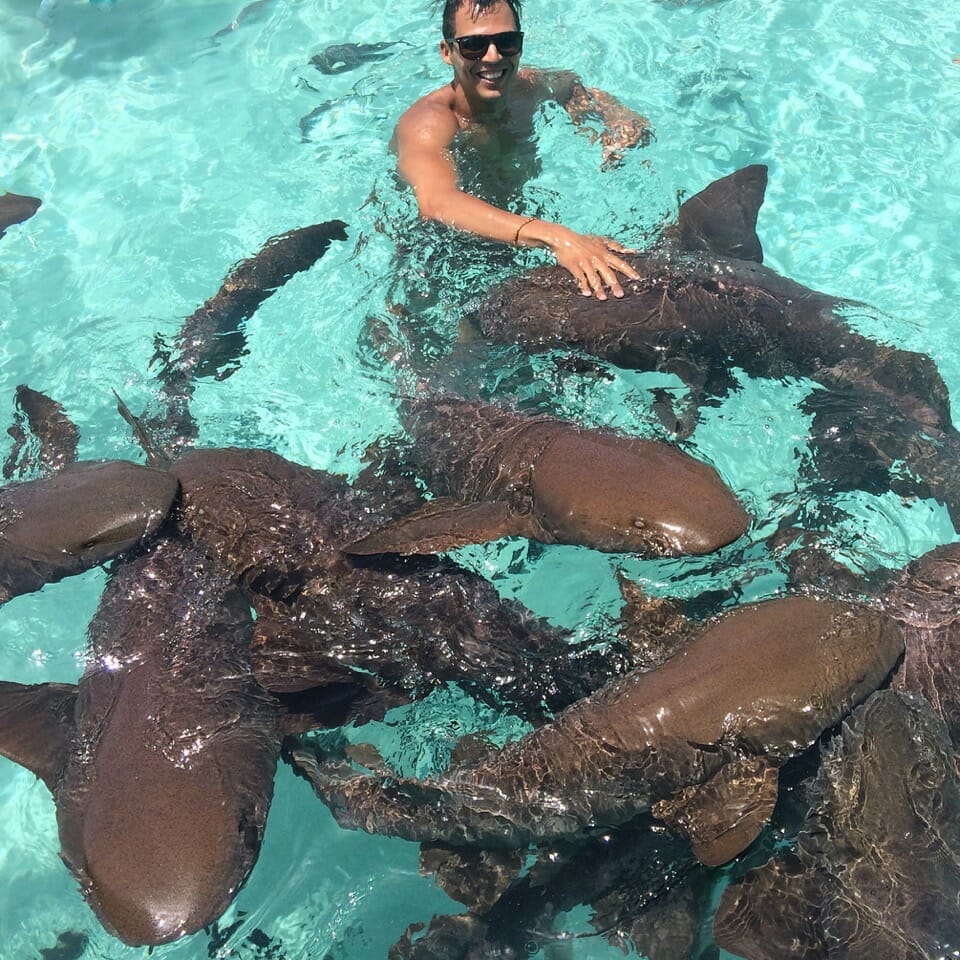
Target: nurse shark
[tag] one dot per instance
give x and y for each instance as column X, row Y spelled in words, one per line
column 876, row 868
column 698, row 741
column 211, row 340
column 705, row 304
column 161, row 759
column 185, row 697
column 496, row 472
column 15, row 208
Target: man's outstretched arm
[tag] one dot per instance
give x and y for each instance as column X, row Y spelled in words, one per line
column 424, row 135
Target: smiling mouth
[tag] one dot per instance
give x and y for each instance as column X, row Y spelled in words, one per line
column 493, row 76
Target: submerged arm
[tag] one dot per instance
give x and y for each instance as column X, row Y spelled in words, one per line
column 622, row 129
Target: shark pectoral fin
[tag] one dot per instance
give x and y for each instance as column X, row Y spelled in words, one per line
column 36, row 726
column 722, row 219
column 723, row 816
column 474, row 877
column 445, row 524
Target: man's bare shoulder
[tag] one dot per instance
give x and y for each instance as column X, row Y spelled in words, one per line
column 432, row 117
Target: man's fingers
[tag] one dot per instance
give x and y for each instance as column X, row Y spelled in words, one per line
column 623, row 267
column 609, row 278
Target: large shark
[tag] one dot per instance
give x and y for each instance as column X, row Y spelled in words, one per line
column 876, row 869
column 496, row 472
column 161, row 760
column 705, row 304
column 698, row 740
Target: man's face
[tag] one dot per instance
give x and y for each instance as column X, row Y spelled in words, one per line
column 484, row 81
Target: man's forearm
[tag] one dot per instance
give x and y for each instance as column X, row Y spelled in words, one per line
column 473, row 215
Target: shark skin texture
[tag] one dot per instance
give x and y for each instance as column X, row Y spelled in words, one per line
column 82, row 516
column 706, row 304
column 875, row 871
column 698, row 740
column 412, row 623
column 15, row 208
column 495, row 472
column 161, row 759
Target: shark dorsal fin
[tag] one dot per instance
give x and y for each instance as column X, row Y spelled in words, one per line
column 36, row 726
column 722, row 218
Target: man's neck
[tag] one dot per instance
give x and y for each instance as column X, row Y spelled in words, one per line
column 482, row 111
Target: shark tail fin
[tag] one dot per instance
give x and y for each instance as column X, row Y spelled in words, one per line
column 45, row 438
column 722, row 218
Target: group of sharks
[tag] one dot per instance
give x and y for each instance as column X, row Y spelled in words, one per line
column 252, row 600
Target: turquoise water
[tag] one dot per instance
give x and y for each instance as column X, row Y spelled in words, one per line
column 163, row 156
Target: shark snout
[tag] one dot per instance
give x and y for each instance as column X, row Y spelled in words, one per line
column 617, row 493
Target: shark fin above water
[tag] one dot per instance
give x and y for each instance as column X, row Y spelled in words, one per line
column 722, row 218
column 36, row 726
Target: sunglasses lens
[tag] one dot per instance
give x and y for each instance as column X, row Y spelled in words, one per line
column 474, row 47
column 510, row 44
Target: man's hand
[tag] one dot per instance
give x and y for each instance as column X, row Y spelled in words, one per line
column 622, row 133
column 591, row 261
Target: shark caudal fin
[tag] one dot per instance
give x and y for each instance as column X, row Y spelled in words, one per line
column 722, row 218
column 45, row 438
column 36, row 726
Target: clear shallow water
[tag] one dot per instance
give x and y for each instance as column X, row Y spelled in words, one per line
column 163, row 157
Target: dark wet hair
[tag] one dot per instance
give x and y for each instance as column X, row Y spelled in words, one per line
column 450, row 8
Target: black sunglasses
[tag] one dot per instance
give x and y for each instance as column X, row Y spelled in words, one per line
column 475, row 46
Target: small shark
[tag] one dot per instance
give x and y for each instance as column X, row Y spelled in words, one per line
column 211, row 340
column 341, row 57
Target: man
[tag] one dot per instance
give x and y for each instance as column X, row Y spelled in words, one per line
column 491, row 102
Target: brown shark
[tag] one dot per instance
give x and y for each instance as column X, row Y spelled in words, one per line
column 211, row 340
column 15, row 208
column 876, row 869
column 705, row 304
column 161, row 760
column 88, row 513
column 496, row 472
column 699, row 740
column 44, row 420
column 281, row 528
